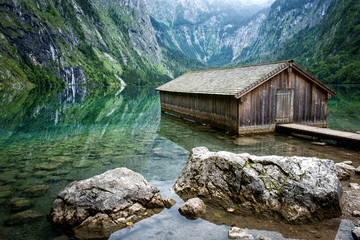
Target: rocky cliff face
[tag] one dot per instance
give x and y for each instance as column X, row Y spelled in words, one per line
column 48, row 42
column 286, row 19
column 213, row 31
column 223, row 32
column 321, row 35
column 80, row 42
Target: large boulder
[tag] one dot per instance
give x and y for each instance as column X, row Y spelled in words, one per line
column 295, row 189
column 96, row 207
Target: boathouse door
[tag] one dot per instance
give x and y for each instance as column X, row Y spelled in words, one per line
column 284, row 105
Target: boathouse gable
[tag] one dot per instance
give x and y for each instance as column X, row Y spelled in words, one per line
column 248, row 99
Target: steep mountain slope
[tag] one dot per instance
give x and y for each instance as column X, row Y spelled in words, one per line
column 46, row 42
column 52, row 42
column 321, row 35
column 211, row 31
column 332, row 50
column 285, row 19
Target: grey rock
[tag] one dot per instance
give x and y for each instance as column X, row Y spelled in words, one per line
column 238, row 233
column 20, row 204
column 348, row 162
column 356, row 233
column 193, row 208
column 100, row 205
column 295, row 189
column 22, row 217
column 169, row 202
column 344, row 171
column 357, row 170
column 344, row 230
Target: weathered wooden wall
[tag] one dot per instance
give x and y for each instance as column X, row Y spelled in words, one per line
column 216, row 110
column 310, row 105
column 256, row 111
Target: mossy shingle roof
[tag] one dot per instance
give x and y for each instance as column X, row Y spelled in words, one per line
column 230, row 81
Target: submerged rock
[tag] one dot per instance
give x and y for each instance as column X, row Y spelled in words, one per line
column 5, row 194
column 193, row 208
column 244, row 141
column 96, row 207
column 22, row 217
column 19, row 204
column 36, row 191
column 295, row 189
column 48, row 165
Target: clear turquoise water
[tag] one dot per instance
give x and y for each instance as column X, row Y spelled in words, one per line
column 52, row 139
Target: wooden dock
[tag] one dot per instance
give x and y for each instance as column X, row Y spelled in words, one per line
column 342, row 138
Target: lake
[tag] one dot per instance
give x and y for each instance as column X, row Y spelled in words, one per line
column 49, row 139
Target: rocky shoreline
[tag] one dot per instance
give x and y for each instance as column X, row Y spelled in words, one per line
column 96, row 207
column 294, row 190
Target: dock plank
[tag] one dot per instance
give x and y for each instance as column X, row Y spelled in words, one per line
column 326, row 133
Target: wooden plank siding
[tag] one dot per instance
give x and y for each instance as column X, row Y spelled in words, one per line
column 310, row 103
column 215, row 110
column 257, row 110
column 289, row 94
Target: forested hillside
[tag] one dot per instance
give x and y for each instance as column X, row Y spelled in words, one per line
column 323, row 36
column 332, row 50
column 51, row 42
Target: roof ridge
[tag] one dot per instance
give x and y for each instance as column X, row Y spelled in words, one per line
column 265, row 77
column 241, row 66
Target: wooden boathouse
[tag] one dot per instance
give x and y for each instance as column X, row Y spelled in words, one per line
column 248, row 99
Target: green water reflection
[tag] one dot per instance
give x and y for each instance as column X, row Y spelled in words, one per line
column 51, row 139
column 344, row 108
column 48, row 140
